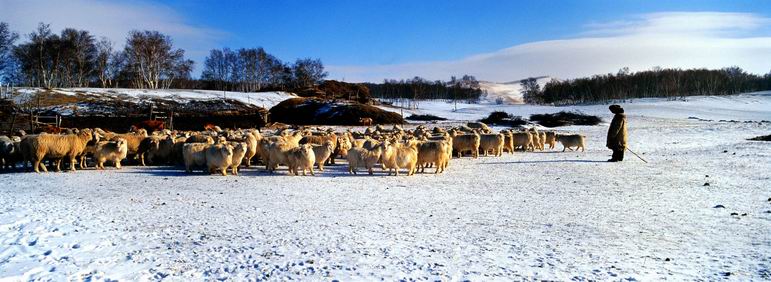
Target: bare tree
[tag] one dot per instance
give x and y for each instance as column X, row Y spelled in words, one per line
column 7, row 38
column 152, row 57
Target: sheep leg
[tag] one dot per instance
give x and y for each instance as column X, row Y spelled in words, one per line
column 321, row 166
column 311, row 169
column 37, row 166
column 72, row 163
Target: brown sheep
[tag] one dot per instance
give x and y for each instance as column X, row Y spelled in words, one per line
column 147, row 145
column 343, row 145
column 56, row 147
column 521, row 140
column 361, row 157
column 114, row 151
column 551, row 139
column 132, row 140
column 436, row 152
column 365, row 121
column 508, row 141
column 465, row 142
column 301, row 157
column 491, row 142
column 537, row 144
column 163, row 152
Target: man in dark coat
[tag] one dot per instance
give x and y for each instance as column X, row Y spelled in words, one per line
column 617, row 134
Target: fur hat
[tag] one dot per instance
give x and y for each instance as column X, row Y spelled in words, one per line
column 616, row 109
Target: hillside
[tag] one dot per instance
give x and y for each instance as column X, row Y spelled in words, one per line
column 507, row 93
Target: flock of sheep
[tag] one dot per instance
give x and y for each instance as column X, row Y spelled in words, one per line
column 300, row 150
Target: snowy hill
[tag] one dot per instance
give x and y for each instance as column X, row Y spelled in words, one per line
column 508, row 93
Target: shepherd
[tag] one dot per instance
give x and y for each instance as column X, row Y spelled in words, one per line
column 617, row 133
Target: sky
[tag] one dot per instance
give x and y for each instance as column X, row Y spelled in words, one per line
column 492, row 40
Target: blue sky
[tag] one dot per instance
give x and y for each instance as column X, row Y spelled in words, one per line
column 387, row 32
column 495, row 40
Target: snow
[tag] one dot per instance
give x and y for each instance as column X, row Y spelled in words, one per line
column 745, row 107
column 507, row 93
column 524, row 216
column 262, row 99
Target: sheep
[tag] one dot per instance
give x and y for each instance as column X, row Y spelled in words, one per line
column 239, row 152
column 365, row 121
column 436, row 152
column 320, row 140
column 521, row 140
column 536, row 144
column 277, row 153
column 322, row 153
column 6, row 151
column 551, row 139
column 132, row 141
column 90, row 149
column 399, row 155
column 343, row 145
column 200, row 138
column 571, row 140
column 9, row 151
column 56, row 147
column 252, row 140
column 361, row 157
column 479, row 125
column 301, row 157
column 219, row 157
column 163, row 152
column 146, row 145
column 114, row 151
column 465, row 142
column 294, row 138
column 194, row 155
column 491, row 142
column 508, row 141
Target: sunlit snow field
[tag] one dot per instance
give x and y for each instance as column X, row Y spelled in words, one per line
column 542, row 215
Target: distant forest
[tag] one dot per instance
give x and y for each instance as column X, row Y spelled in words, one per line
column 417, row 88
column 658, row 82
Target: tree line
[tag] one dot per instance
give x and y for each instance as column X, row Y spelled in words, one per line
column 149, row 59
column 658, row 82
column 253, row 69
column 466, row 88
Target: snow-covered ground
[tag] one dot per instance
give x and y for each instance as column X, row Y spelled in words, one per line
column 744, row 107
column 262, row 99
column 527, row 216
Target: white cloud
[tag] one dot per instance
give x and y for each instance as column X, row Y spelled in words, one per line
column 679, row 39
column 110, row 19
